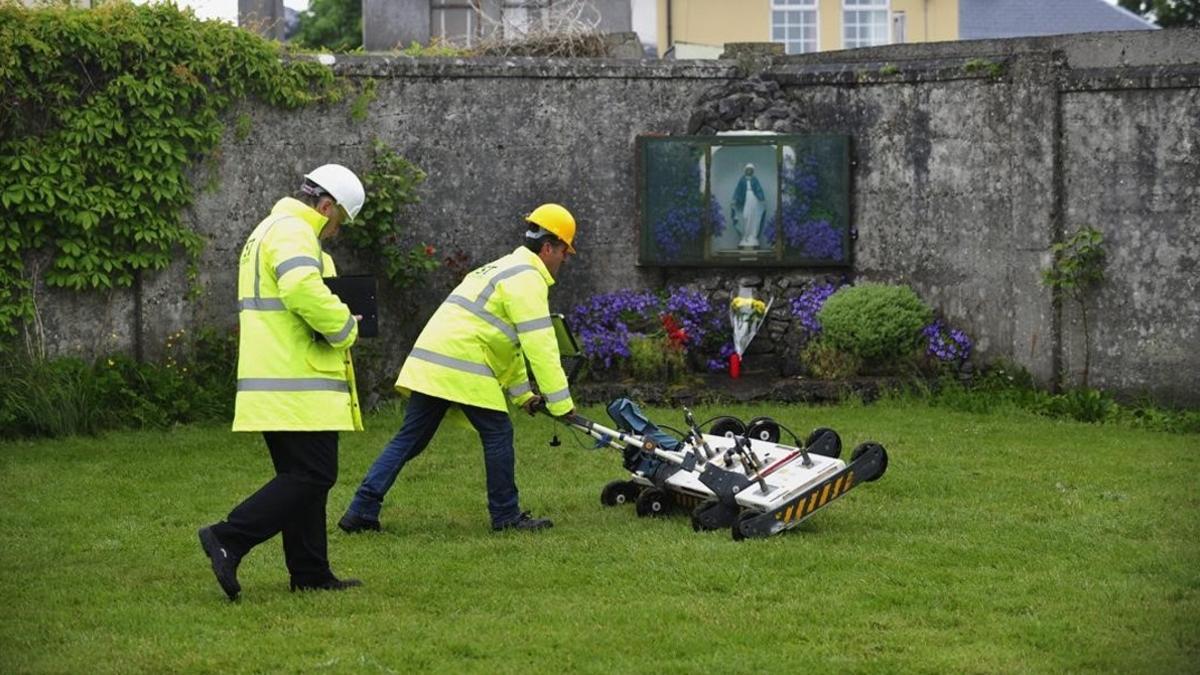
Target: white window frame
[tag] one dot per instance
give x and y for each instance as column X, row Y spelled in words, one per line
column 813, row 6
column 867, row 6
column 899, row 25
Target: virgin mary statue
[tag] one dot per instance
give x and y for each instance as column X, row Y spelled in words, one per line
column 748, row 209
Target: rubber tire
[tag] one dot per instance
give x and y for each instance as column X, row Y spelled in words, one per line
column 618, row 492
column 727, row 426
column 763, row 429
column 736, row 528
column 862, row 448
column 696, row 526
column 816, row 433
column 653, row 503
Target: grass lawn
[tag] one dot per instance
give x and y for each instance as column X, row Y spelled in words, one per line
column 994, row 543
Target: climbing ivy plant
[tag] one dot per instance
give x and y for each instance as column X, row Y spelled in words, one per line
column 102, row 112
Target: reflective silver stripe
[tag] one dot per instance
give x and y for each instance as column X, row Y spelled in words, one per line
column 487, row 316
column 343, row 333
column 534, row 324
column 451, row 362
column 556, row 396
column 262, row 304
column 520, row 389
column 292, row 263
column 292, row 384
column 491, row 285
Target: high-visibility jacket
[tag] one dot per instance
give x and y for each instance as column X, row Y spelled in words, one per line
column 294, row 367
column 473, row 349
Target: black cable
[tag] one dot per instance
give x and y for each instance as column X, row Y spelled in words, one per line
column 718, row 417
column 791, row 433
column 575, row 433
column 679, row 434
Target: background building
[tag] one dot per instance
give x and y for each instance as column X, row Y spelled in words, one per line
column 700, row 28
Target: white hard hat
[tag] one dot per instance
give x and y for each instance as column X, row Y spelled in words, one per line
column 341, row 184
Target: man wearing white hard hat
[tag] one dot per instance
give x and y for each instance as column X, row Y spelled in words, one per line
column 295, row 381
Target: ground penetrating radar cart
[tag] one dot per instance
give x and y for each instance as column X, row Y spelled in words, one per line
column 736, row 476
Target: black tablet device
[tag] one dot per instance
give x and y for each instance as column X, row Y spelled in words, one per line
column 359, row 293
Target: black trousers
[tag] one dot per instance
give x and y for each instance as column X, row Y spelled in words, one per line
column 293, row 502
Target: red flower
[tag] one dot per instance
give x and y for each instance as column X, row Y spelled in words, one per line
column 675, row 333
column 429, row 250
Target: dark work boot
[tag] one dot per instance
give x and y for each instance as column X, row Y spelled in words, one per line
column 352, row 522
column 524, row 522
column 333, row 584
column 224, row 564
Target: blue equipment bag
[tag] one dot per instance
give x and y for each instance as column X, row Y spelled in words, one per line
column 626, row 415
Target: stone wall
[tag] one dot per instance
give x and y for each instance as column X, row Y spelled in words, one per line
column 968, row 162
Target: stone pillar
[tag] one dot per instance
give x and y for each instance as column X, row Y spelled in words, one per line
column 264, row 17
column 388, row 24
column 616, row 16
column 1037, row 218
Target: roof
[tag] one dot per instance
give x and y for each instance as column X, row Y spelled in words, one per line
column 980, row 19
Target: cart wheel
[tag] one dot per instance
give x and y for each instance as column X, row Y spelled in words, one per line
column 727, row 426
column 883, row 462
column 763, row 429
column 820, row 431
column 736, row 529
column 618, row 492
column 652, row 502
column 697, row 524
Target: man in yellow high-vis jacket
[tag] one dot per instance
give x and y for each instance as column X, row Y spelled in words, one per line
column 295, row 381
column 472, row 355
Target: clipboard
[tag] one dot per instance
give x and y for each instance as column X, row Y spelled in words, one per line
column 568, row 349
column 360, row 294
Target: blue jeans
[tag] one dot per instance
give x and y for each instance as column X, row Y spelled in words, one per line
column 421, row 419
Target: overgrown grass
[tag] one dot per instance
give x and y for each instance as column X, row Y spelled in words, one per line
column 995, row 543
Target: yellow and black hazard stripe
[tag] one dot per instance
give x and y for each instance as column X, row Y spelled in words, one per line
column 804, row 505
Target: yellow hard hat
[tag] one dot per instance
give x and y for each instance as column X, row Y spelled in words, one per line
column 557, row 220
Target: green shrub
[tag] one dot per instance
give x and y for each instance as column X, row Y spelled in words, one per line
column 1085, row 405
column 1004, row 385
column 59, row 397
column 652, row 358
column 878, row 323
column 195, row 381
column 829, row 363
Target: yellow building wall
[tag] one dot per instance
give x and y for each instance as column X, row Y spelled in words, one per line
column 716, row 22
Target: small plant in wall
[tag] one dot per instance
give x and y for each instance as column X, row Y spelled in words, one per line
column 984, row 67
column 1077, row 269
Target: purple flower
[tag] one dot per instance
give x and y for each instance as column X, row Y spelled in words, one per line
column 806, row 306
column 818, row 239
column 945, row 344
column 693, row 312
column 606, row 322
column 805, row 223
column 721, row 363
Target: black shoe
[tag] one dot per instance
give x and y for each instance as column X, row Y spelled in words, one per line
column 525, row 522
column 333, row 584
column 224, row 564
column 352, row 522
